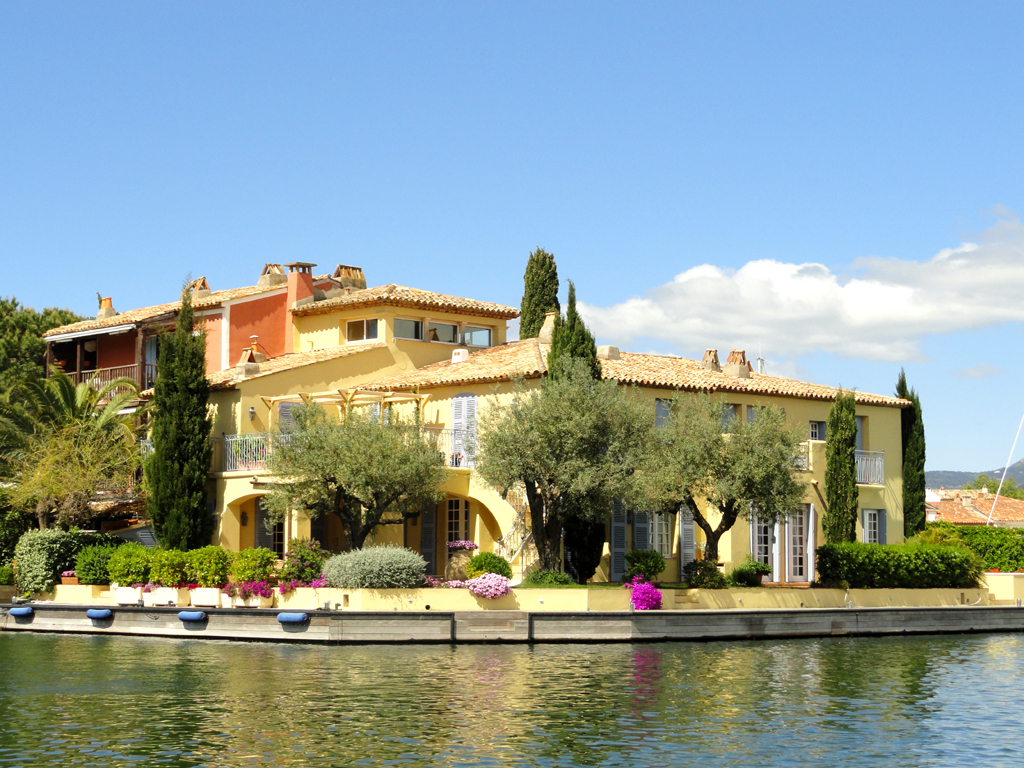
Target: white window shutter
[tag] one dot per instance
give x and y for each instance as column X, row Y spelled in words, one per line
column 687, row 537
column 617, row 541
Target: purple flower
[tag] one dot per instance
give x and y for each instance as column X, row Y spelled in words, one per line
column 646, row 597
column 456, row 545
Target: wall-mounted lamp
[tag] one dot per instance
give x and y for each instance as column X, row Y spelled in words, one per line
column 245, row 519
column 252, row 412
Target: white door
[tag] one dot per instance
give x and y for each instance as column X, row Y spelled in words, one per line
column 797, row 561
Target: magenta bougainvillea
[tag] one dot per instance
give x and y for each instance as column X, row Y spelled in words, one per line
column 646, row 596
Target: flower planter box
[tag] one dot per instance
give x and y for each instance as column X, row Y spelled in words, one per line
column 128, row 595
column 206, row 597
column 167, row 596
column 253, row 602
column 71, row 581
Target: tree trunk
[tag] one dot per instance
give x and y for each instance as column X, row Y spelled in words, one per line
column 714, row 535
column 547, row 534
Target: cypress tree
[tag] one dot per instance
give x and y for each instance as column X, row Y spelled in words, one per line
column 584, row 530
column 912, row 424
column 840, row 519
column 540, row 293
column 571, row 338
column 176, row 472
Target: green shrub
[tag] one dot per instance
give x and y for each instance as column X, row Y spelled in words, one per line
column 1000, row 549
column 41, row 556
column 209, row 566
column 897, row 566
column 703, row 574
column 375, row 568
column 547, row 579
column 169, row 568
column 6, row 576
column 13, row 526
column 304, row 562
column 648, row 563
column 129, row 565
column 255, row 564
column 91, row 564
column 749, row 573
column 488, row 562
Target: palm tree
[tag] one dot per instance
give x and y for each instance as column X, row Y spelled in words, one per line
column 63, row 442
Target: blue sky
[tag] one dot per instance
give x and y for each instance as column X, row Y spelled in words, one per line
column 839, row 185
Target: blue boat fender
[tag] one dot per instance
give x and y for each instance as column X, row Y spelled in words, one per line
column 99, row 613
column 21, row 610
column 192, row 615
column 292, row 618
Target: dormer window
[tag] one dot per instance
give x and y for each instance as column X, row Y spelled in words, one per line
column 477, row 336
column 361, row 330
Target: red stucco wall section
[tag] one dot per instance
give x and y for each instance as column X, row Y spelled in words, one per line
column 113, row 351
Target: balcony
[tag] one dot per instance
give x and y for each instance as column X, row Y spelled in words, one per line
column 249, row 453
column 100, row 377
column 870, row 467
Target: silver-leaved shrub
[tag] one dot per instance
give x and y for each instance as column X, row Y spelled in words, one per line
column 376, row 568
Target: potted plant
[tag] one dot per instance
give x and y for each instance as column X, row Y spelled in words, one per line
column 459, row 555
column 209, row 567
column 69, row 577
column 252, row 594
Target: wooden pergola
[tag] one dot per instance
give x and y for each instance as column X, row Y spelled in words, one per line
column 345, row 399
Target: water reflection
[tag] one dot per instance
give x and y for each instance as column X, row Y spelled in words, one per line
column 109, row 701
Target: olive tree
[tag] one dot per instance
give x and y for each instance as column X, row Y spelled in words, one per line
column 572, row 439
column 731, row 465
column 366, row 472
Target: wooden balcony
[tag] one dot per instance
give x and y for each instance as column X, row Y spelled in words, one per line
column 102, row 376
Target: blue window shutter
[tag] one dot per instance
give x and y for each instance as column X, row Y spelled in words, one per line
column 285, row 418
column 617, row 542
column 881, row 527
column 428, row 538
column 641, row 530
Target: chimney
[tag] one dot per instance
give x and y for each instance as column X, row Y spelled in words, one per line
column 272, row 274
column 349, row 277
column 300, row 291
column 548, row 329
column 710, row 360
column 249, row 363
column 106, row 309
column 737, row 364
column 200, row 288
column 460, row 355
column 608, row 352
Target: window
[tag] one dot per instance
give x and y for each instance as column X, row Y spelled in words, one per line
column 728, row 414
column 443, row 332
column 860, row 433
column 763, row 543
column 817, row 430
column 871, row 526
column 478, row 337
column 661, row 534
column 458, row 519
column 409, row 329
column 662, row 409
column 361, row 330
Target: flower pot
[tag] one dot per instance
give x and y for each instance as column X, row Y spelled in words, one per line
column 69, row 580
column 206, row 597
column 455, row 568
column 128, row 595
column 253, row 602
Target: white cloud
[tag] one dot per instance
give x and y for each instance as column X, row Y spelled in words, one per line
column 877, row 309
column 981, row 372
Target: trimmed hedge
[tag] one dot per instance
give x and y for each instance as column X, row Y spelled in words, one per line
column 488, row 562
column 41, row 556
column 999, row 548
column 253, row 564
column 169, row 568
column 129, row 565
column 91, row 564
column 376, row 568
column 897, row 566
column 548, row 579
column 209, row 566
column 704, row 574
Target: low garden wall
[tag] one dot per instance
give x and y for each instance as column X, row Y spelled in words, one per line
column 581, row 600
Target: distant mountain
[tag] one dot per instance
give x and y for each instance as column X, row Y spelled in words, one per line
column 953, row 479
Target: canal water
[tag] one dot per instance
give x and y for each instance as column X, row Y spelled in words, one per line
column 906, row 701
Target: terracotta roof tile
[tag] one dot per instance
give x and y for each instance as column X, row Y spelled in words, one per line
column 528, row 359
column 149, row 313
column 973, row 508
column 226, row 379
column 413, row 298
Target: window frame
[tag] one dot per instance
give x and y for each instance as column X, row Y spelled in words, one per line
column 871, row 528
column 490, row 335
column 364, row 321
column 431, row 323
column 415, row 322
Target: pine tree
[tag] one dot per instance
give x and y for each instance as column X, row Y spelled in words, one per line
column 840, row 519
column 176, row 472
column 540, row 294
column 571, row 338
column 913, row 443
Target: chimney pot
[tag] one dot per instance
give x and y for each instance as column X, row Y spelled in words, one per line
column 106, row 309
column 737, row 365
column 710, row 360
column 608, row 352
column 460, row 355
column 548, row 329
